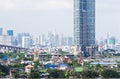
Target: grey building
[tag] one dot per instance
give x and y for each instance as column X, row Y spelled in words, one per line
column 84, row 23
column 1, row 31
column 20, row 39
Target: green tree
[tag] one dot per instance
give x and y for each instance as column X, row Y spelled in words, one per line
column 27, row 59
column 90, row 74
column 74, row 64
column 34, row 74
column 108, row 73
column 4, row 69
column 78, row 75
column 37, row 64
column 2, row 55
column 2, row 73
column 60, row 51
column 56, row 73
column 16, row 74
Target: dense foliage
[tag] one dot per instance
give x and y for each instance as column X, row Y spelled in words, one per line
column 4, row 70
column 90, row 74
column 56, row 73
column 108, row 73
column 34, row 74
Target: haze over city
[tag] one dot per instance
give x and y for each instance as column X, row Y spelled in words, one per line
column 41, row 16
column 68, row 39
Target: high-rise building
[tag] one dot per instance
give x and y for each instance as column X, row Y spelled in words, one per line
column 1, row 31
column 70, row 41
column 26, row 41
column 20, row 38
column 42, row 40
column 6, row 40
column 10, row 32
column 84, row 23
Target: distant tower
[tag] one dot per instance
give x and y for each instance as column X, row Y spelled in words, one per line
column 42, row 40
column 1, row 31
column 20, row 38
column 26, row 41
column 107, row 40
column 10, row 32
column 84, row 23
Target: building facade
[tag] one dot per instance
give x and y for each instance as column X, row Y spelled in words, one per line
column 26, row 41
column 1, row 31
column 20, row 39
column 6, row 40
column 10, row 32
column 84, row 23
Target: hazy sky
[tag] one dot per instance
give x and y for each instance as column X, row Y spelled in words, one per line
column 41, row 16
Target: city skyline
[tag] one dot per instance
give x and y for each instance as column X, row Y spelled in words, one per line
column 29, row 14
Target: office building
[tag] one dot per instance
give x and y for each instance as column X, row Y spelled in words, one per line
column 10, row 32
column 84, row 23
column 26, row 41
column 1, row 31
column 42, row 40
column 6, row 40
column 20, row 38
column 70, row 41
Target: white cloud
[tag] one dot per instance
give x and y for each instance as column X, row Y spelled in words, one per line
column 35, row 4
